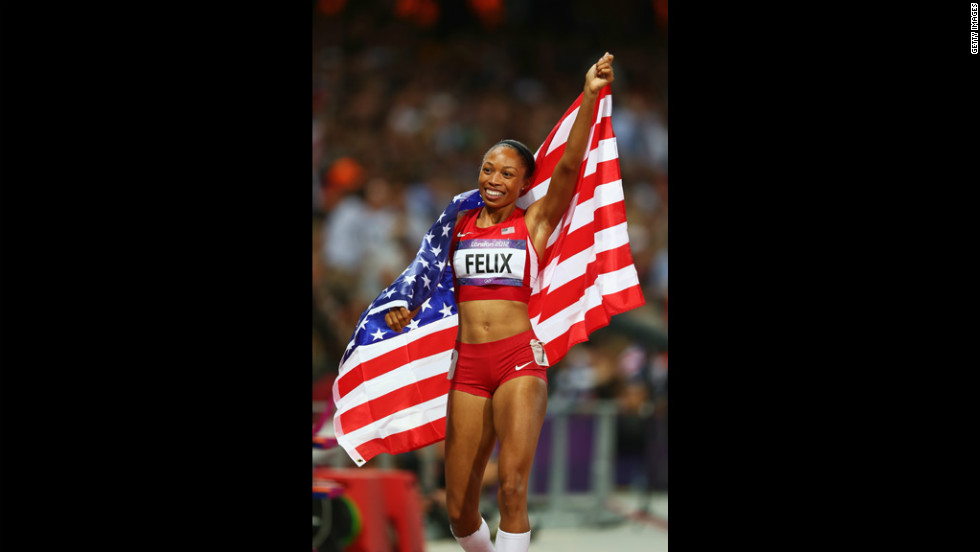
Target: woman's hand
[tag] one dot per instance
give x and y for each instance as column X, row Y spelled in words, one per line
column 600, row 74
column 398, row 319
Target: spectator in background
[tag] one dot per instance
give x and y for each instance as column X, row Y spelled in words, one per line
column 362, row 238
column 658, row 274
column 573, row 378
column 631, row 422
column 655, row 452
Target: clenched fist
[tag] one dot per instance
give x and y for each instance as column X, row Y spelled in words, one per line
column 398, row 319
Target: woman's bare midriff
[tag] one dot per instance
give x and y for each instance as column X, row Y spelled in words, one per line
column 491, row 320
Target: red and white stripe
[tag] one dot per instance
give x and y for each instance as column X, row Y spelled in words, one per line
column 588, row 273
column 391, row 396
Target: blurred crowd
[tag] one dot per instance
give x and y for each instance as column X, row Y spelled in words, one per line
column 407, row 97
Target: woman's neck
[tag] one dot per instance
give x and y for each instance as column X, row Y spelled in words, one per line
column 488, row 217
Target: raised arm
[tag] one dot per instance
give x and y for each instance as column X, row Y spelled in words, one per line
column 544, row 215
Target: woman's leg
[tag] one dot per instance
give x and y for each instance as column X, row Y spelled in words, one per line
column 519, row 407
column 469, row 442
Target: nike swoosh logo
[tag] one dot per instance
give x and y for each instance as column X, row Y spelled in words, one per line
column 522, row 365
column 463, row 234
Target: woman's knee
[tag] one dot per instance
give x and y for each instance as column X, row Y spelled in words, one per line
column 512, row 491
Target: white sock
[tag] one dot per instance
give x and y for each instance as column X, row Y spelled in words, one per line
column 510, row 542
column 479, row 541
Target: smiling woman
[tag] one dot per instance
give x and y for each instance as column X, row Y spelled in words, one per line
column 498, row 377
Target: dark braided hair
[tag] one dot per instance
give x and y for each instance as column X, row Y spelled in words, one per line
column 523, row 150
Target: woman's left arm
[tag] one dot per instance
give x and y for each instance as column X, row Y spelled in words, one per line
column 544, row 215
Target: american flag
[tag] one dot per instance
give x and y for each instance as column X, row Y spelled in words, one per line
column 391, row 390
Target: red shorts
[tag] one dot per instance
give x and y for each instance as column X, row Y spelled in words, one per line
column 480, row 368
